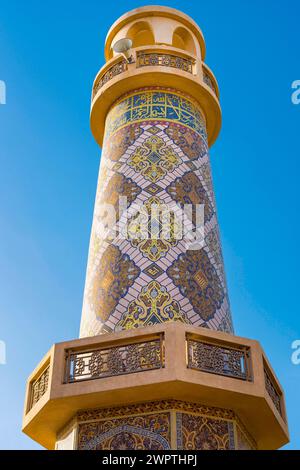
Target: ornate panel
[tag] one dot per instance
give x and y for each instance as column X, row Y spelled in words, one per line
column 153, row 305
column 39, row 387
column 145, row 59
column 209, row 81
column 189, row 190
column 272, row 390
column 162, row 425
column 112, row 72
column 115, row 360
column 155, row 154
column 219, row 359
column 123, row 139
column 149, row 432
column 194, row 146
column 154, row 159
column 118, row 185
column 155, row 406
column 204, row 433
column 115, row 274
column 197, row 279
column 154, row 230
column 149, row 105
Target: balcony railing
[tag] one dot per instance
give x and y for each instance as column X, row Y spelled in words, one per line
column 187, row 363
column 114, row 360
column 273, row 390
column 209, row 79
column 141, row 350
column 111, row 72
column 155, row 57
column 219, row 359
column 145, row 59
column 39, row 387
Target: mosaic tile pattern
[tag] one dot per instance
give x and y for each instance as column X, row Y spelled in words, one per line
column 150, row 425
column 149, row 432
column 155, row 152
column 149, row 104
column 154, row 406
column 204, row 433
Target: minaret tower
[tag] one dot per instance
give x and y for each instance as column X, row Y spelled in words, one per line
column 157, row 365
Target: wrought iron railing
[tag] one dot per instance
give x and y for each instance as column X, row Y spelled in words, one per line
column 110, row 361
column 273, row 390
column 152, row 57
column 214, row 358
column 110, row 73
column 207, row 78
column 145, row 59
column 39, row 387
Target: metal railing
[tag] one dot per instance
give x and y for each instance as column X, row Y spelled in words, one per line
column 209, row 80
column 111, row 72
column 215, row 358
column 39, row 387
column 145, row 59
column 273, row 390
column 111, row 361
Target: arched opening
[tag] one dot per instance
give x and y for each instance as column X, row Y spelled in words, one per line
column 182, row 39
column 141, row 34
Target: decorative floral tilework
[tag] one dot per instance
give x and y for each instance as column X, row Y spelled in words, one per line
column 155, row 152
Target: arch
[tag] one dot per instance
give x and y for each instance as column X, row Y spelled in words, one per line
column 126, row 429
column 141, row 34
column 182, row 39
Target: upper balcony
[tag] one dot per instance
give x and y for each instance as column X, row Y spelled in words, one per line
column 156, row 56
column 156, row 66
column 167, row 361
column 168, row 50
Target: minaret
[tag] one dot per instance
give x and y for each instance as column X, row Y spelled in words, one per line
column 155, row 117
column 157, row 365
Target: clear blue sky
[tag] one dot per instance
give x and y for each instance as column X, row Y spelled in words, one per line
column 49, row 54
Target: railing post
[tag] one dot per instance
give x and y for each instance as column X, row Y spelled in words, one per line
column 67, row 367
column 162, row 358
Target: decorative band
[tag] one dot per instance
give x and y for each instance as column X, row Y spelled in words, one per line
column 155, row 105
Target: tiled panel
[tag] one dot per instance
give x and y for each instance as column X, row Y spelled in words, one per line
column 155, row 154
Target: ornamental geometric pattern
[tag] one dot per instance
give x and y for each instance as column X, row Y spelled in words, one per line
column 153, row 230
column 203, row 433
column 154, row 159
column 153, row 305
column 189, row 190
column 153, row 271
column 39, row 387
column 155, row 153
column 118, row 186
column 116, row 274
column 149, row 426
column 158, row 104
column 192, row 145
column 153, row 189
column 154, row 406
column 150, row 432
column 197, row 279
column 116, row 147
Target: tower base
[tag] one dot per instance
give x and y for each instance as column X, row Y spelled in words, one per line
column 168, row 386
column 160, row 425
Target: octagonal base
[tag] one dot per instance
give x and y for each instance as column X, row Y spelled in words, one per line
column 161, row 425
column 166, row 385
